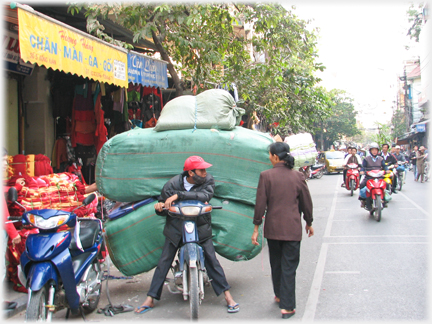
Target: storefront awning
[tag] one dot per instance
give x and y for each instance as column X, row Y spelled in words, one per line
column 405, row 139
column 46, row 41
column 147, row 71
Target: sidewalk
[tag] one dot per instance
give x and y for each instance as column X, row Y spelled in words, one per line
column 11, row 295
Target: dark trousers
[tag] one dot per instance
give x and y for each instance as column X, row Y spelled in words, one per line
column 213, row 267
column 344, row 175
column 284, row 260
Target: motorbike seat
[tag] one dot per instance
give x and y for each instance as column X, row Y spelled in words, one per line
column 316, row 166
column 89, row 231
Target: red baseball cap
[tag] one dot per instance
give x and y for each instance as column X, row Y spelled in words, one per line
column 195, row 162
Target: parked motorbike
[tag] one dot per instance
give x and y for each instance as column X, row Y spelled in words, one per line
column 316, row 171
column 375, row 190
column 352, row 179
column 61, row 268
column 189, row 267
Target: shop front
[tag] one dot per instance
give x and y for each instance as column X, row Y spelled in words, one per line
column 78, row 92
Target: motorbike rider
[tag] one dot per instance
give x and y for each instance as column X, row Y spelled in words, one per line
column 389, row 159
column 373, row 161
column 399, row 155
column 353, row 157
column 193, row 184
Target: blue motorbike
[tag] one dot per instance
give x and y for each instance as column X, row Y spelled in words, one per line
column 61, row 263
column 189, row 268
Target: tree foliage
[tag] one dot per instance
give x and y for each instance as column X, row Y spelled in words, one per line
column 415, row 17
column 341, row 122
column 201, row 44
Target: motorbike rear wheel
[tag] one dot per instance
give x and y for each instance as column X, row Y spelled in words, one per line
column 95, row 271
column 320, row 174
column 193, row 292
column 377, row 208
column 36, row 307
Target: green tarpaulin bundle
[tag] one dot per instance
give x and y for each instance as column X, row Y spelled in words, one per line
column 135, row 240
column 135, row 165
column 214, row 108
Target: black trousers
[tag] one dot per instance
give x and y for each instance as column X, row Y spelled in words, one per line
column 213, row 267
column 284, row 260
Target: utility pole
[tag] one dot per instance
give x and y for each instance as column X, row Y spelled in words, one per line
column 407, row 109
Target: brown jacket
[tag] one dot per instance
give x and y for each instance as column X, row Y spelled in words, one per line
column 285, row 195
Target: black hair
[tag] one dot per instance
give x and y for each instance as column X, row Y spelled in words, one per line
column 282, row 150
column 388, row 146
column 186, row 173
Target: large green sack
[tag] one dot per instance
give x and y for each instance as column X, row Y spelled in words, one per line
column 232, row 230
column 214, row 108
column 135, row 240
column 135, row 165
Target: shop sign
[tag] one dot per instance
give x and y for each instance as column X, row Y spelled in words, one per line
column 11, row 55
column 421, row 128
column 58, row 47
column 147, row 71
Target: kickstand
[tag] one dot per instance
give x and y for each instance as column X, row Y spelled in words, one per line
column 67, row 313
column 82, row 313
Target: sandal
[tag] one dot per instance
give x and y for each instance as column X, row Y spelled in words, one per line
column 288, row 314
column 233, row 309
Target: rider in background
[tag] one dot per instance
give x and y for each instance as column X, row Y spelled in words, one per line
column 371, row 162
column 389, row 159
column 353, row 157
column 399, row 155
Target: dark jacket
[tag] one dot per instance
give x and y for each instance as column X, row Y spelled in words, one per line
column 173, row 225
column 283, row 195
column 390, row 159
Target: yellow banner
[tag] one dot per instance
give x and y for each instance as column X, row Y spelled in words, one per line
column 57, row 47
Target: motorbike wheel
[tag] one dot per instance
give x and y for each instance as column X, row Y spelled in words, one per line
column 352, row 186
column 378, row 208
column 93, row 302
column 193, row 292
column 400, row 182
column 320, row 174
column 36, row 307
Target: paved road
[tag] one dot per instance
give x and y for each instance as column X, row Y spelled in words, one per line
column 354, row 268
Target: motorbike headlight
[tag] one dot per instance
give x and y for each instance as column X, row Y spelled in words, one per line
column 191, row 210
column 49, row 223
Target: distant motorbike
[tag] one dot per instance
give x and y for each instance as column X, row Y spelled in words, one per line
column 375, row 190
column 61, row 266
column 352, row 179
column 189, row 267
column 316, row 171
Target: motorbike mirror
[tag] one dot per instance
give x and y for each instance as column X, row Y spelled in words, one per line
column 88, row 199
column 12, row 194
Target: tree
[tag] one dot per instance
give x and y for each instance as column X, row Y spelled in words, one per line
column 384, row 135
column 398, row 124
column 199, row 42
column 415, row 17
column 194, row 39
column 341, row 122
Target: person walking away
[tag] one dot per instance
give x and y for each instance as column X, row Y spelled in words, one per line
column 10, row 231
column 413, row 158
column 283, row 196
column 371, row 162
column 193, row 184
column 420, row 158
column 390, row 159
column 350, row 158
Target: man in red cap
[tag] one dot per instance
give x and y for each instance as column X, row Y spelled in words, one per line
column 193, row 184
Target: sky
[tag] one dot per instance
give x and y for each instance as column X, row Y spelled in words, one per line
column 362, row 45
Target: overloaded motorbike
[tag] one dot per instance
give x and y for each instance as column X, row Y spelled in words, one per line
column 375, row 190
column 189, row 268
column 62, row 268
column 352, row 179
